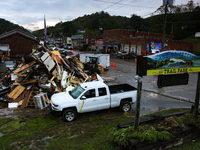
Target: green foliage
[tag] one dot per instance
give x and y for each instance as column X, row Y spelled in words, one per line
column 19, row 131
column 11, row 126
column 6, row 26
column 4, row 121
column 143, row 133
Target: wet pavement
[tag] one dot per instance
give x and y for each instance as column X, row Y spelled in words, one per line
column 125, row 72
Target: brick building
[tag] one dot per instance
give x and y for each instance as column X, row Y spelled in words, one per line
column 19, row 42
column 86, row 41
column 141, row 43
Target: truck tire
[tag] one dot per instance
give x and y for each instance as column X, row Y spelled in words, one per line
column 125, row 106
column 69, row 115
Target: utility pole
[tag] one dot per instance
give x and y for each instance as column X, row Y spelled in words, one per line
column 139, row 93
column 196, row 106
column 164, row 27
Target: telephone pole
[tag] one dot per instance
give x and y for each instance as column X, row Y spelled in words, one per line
column 164, row 27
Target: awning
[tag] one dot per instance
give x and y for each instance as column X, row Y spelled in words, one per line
column 110, row 45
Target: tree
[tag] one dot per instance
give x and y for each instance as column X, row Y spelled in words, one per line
column 136, row 22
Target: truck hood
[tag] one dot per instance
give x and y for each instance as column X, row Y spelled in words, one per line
column 62, row 97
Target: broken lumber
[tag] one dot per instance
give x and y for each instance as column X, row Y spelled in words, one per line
column 24, row 67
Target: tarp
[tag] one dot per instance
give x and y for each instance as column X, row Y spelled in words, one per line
column 111, row 45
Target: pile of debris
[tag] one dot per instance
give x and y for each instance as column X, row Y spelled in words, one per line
column 42, row 74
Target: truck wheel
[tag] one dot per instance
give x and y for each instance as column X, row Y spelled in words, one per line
column 69, row 115
column 125, row 106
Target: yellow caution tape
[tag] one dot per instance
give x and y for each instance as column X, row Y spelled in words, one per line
column 81, row 106
column 125, row 113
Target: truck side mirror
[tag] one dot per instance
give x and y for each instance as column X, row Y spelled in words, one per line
column 83, row 97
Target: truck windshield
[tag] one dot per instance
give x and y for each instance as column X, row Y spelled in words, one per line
column 76, row 91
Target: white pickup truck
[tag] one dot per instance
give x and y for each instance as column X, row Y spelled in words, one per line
column 93, row 96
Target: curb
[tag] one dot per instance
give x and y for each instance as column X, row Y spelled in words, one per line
column 177, row 98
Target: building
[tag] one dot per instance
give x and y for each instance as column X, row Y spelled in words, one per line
column 77, row 41
column 86, row 42
column 93, row 41
column 141, row 43
column 18, row 42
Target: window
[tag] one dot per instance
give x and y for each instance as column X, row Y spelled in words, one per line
column 114, row 37
column 76, row 91
column 93, row 40
column 90, row 93
column 191, row 48
column 124, row 36
column 102, row 91
column 106, row 37
column 131, row 35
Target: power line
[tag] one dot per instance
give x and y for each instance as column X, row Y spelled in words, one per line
column 89, row 16
column 123, row 4
column 112, row 5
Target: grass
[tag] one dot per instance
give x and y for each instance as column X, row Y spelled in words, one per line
column 89, row 132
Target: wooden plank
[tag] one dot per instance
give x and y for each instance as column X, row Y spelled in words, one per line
column 14, row 91
column 59, row 89
column 25, row 66
column 20, row 102
column 31, row 81
column 54, row 73
column 18, row 92
column 19, row 98
column 26, row 98
column 29, row 98
column 75, row 80
column 16, row 83
column 21, row 74
column 46, row 99
column 36, row 58
column 18, row 80
column 46, row 49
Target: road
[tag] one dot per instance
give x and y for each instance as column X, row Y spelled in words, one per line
column 153, row 99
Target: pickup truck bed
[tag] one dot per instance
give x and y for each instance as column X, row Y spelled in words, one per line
column 120, row 88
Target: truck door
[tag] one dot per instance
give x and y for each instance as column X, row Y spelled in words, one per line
column 89, row 102
column 103, row 100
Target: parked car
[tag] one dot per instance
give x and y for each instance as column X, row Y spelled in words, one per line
column 66, row 52
column 125, row 55
column 93, row 96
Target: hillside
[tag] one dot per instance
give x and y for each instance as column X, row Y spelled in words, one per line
column 180, row 25
column 182, row 22
column 6, row 26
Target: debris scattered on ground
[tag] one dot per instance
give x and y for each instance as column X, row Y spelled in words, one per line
column 39, row 75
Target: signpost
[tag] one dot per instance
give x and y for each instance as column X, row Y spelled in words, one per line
column 139, row 93
column 168, row 63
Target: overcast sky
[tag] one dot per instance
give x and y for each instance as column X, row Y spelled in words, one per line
column 30, row 13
